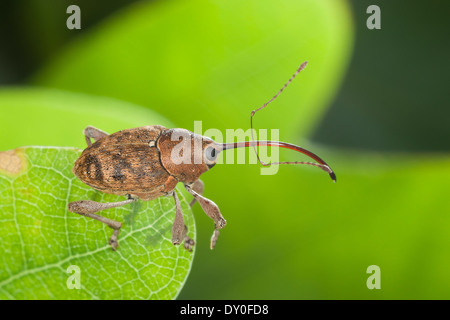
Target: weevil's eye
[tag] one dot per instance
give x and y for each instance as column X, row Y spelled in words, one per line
column 211, row 154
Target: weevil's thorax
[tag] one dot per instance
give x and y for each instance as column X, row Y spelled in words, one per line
column 182, row 154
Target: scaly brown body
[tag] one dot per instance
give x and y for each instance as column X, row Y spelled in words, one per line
column 126, row 162
column 144, row 163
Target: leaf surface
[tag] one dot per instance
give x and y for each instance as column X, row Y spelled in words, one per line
column 40, row 239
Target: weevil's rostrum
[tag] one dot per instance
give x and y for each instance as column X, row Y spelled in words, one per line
column 148, row 162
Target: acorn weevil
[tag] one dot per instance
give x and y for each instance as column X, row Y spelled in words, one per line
column 140, row 163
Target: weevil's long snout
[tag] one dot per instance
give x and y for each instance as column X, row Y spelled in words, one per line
column 320, row 163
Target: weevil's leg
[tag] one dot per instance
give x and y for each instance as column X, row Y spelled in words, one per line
column 212, row 211
column 179, row 229
column 94, row 133
column 89, row 208
column 198, row 186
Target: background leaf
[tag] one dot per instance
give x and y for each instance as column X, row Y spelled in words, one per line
column 296, row 235
column 213, row 61
column 40, row 239
column 293, row 235
column 57, row 118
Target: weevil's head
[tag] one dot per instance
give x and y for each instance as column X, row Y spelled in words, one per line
column 186, row 155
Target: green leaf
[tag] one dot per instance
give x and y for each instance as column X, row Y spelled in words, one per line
column 40, row 239
column 297, row 235
column 57, row 118
column 214, row 61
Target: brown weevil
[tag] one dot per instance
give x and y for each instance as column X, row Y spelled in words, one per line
column 145, row 163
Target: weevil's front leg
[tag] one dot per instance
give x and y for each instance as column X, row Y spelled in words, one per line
column 94, row 133
column 212, row 211
column 198, row 186
column 179, row 229
column 88, row 208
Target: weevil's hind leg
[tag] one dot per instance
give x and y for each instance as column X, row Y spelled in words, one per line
column 94, row 133
column 179, row 229
column 89, row 208
column 212, row 211
column 198, row 186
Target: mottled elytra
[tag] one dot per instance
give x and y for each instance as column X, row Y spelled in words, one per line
column 148, row 162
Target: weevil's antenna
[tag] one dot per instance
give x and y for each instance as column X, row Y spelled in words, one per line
column 302, row 66
column 321, row 164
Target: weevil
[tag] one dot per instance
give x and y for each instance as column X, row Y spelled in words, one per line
column 144, row 163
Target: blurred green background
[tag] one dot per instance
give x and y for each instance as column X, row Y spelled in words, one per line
column 372, row 103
